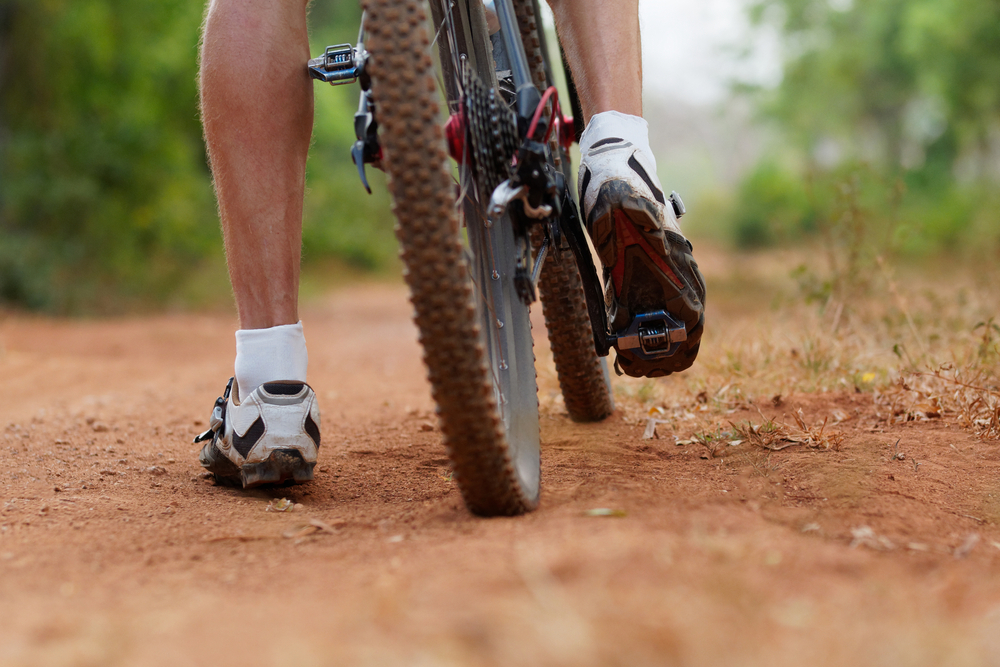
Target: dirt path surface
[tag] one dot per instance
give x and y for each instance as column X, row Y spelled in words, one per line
column 116, row 550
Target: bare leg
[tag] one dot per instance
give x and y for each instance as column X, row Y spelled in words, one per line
column 602, row 44
column 257, row 109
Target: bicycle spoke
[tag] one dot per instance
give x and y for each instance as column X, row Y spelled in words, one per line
column 489, row 306
column 465, row 182
column 449, row 18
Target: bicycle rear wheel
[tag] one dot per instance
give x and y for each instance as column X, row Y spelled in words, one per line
column 583, row 376
column 475, row 332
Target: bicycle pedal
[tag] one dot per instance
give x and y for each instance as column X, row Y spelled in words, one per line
column 338, row 65
column 652, row 335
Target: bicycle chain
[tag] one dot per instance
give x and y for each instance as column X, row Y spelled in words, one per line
column 492, row 133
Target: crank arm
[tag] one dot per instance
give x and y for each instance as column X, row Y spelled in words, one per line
column 573, row 231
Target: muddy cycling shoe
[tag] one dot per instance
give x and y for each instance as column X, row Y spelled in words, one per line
column 269, row 437
column 655, row 295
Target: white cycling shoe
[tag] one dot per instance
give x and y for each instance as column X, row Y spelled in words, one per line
column 269, row 437
column 648, row 265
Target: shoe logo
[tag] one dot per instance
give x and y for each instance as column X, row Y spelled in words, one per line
column 244, row 443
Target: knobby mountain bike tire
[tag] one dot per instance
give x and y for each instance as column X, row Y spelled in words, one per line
column 475, row 332
column 583, row 376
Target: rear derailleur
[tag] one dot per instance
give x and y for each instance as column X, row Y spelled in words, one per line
column 532, row 197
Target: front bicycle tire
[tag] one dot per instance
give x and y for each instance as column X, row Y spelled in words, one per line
column 477, row 350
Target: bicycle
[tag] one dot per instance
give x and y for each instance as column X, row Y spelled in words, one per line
column 481, row 246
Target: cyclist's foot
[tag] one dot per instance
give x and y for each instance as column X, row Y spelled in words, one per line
column 268, row 437
column 648, row 265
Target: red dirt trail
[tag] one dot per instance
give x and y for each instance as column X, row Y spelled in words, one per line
column 115, row 549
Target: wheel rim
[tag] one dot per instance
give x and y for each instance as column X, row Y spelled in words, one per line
column 506, row 327
column 505, row 320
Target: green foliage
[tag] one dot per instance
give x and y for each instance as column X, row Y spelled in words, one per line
column 342, row 221
column 105, row 194
column 895, row 82
column 103, row 180
column 896, row 101
column 773, row 204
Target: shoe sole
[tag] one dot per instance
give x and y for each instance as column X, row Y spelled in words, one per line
column 656, row 294
column 283, row 466
column 619, row 223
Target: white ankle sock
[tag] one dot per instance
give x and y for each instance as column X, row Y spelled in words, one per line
column 609, row 124
column 269, row 355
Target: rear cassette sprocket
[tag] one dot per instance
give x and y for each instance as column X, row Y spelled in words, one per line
column 492, row 133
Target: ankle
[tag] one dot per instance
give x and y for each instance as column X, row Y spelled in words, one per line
column 269, row 355
column 614, row 124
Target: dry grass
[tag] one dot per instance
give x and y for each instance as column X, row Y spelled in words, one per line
column 922, row 340
column 775, row 435
column 946, row 392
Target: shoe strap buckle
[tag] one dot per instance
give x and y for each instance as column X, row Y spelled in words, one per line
column 677, row 204
column 217, row 421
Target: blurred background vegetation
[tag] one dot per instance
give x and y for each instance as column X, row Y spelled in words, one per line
column 885, row 128
column 882, row 138
column 105, row 195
